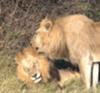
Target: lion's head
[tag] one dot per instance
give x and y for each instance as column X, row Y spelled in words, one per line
column 27, row 63
column 33, row 66
column 49, row 39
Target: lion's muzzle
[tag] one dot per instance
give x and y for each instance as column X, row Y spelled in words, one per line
column 36, row 77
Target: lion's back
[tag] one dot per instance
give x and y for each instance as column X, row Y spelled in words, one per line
column 70, row 32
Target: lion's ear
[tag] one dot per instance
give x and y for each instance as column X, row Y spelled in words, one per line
column 48, row 24
column 16, row 59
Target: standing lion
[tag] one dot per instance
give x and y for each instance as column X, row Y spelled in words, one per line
column 75, row 38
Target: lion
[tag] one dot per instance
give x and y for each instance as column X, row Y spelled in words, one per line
column 27, row 69
column 36, row 68
column 75, row 38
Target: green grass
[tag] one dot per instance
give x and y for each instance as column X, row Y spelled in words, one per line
column 10, row 84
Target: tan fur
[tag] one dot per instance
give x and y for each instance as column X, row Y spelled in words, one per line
column 75, row 38
column 67, row 76
column 46, row 68
column 23, row 76
column 25, row 58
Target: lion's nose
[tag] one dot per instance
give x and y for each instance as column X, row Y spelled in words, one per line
column 36, row 48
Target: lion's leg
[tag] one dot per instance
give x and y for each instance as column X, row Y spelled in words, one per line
column 45, row 75
column 95, row 74
column 85, row 68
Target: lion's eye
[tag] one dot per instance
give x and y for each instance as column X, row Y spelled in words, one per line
column 27, row 69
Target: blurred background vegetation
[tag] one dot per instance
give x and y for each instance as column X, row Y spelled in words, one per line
column 20, row 18
column 18, row 21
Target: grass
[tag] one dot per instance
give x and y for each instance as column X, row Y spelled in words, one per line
column 10, row 84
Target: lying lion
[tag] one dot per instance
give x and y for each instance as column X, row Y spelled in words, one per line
column 34, row 68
